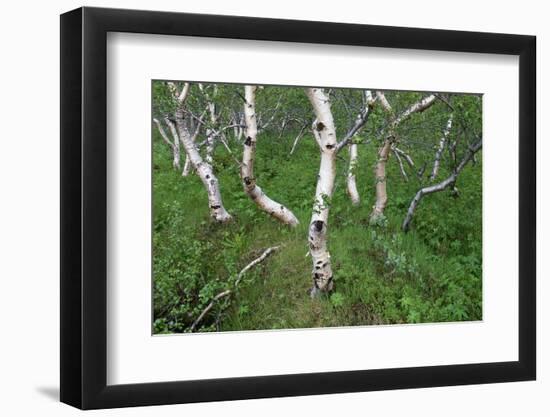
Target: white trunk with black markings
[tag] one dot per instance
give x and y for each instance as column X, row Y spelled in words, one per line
column 325, row 134
column 203, row 169
column 211, row 133
column 265, row 203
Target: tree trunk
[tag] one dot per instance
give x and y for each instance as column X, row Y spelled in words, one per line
column 380, row 178
column 360, row 121
column 391, row 140
column 203, row 169
column 265, row 203
column 351, row 184
column 325, row 134
column 211, row 133
column 440, row 148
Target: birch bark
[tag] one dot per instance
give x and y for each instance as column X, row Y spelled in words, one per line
column 203, row 169
column 325, row 134
column 351, row 182
column 440, row 148
column 384, row 151
column 353, row 150
column 265, row 203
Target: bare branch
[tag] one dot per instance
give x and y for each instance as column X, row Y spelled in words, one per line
column 163, row 133
column 228, row 292
column 401, row 167
column 298, row 137
column 360, row 120
column 448, row 182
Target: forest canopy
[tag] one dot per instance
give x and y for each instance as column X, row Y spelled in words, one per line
column 290, row 207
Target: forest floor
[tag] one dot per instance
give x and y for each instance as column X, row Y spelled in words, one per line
column 433, row 273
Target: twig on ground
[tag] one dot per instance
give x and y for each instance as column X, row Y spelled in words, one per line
column 226, row 293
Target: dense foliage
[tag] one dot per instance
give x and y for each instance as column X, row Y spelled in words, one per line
column 433, row 273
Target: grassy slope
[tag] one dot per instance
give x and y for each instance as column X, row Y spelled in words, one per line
column 433, row 273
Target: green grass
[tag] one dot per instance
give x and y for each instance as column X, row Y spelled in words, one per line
column 381, row 275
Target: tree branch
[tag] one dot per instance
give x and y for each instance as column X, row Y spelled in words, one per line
column 228, row 292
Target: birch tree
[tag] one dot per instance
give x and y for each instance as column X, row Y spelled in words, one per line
column 353, row 151
column 390, row 140
column 324, row 132
column 325, row 135
column 210, row 132
column 275, row 209
column 440, row 148
column 202, row 168
column 448, row 182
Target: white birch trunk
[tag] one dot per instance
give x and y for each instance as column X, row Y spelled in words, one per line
column 440, row 148
column 265, row 203
column 325, row 134
column 389, row 142
column 353, row 150
column 210, row 132
column 204, row 170
column 351, row 183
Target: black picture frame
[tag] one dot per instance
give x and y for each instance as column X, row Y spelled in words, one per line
column 84, row 207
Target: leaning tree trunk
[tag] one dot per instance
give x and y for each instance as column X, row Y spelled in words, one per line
column 351, row 183
column 203, row 169
column 325, row 134
column 265, row 203
column 446, row 183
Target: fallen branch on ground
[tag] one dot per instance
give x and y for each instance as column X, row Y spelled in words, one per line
column 226, row 293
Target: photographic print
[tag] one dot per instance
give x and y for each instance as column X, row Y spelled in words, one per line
column 282, row 207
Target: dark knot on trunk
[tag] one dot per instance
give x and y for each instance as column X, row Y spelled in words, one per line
column 318, row 224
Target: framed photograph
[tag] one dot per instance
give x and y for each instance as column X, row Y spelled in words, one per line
column 257, row 208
